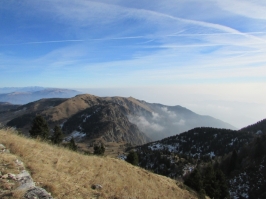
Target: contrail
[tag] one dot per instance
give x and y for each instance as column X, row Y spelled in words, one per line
column 47, row 42
column 77, row 40
column 42, row 42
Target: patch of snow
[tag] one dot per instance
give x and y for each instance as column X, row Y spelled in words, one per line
column 61, row 125
column 122, row 157
column 155, row 146
column 86, row 117
column 159, row 146
column 211, row 154
column 77, row 135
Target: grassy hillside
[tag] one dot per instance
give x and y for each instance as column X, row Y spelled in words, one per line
column 67, row 174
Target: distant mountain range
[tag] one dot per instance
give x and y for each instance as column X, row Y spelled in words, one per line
column 110, row 119
column 24, row 95
column 21, row 89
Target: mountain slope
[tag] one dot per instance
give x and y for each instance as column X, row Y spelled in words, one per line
column 166, row 121
column 159, row 121
column 22, row 115
column 241, row 155
column 165, row 156
column 156, row 121
column 72, row 106
column 109, row 122
column 246, row 170
column 257, row 128
column 69, row 175
column 6, row 106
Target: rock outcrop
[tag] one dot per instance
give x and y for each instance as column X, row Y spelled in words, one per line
column 19, row 182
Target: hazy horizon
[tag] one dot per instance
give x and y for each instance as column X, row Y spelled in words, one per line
column 208, row 56
column 237, row 110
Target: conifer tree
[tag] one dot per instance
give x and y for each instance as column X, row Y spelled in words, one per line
column 133, row 158
column 233, row 162
column 39, row 128
column 209, row 182
column 57, row 137
column 72, row 145
column 222, row 185
column 194, row 181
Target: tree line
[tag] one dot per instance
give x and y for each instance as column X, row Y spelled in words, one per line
column 40, row 129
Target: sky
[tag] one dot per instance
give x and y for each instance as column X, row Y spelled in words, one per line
column 208, row 56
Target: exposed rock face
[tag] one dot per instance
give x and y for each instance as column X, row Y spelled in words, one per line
column 25, row 181
column 38, row 193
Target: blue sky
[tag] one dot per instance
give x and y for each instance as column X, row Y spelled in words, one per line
column 209, row 56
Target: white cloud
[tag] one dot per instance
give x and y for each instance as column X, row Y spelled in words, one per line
column 169, row 114
column 181, row 122
column 253, row 9
column 155, row 116
column 144, row 124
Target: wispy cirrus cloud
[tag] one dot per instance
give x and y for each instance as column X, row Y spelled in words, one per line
column 253, row 9
column 109, row 43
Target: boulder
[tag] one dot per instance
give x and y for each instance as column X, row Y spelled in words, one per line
column 37, row 193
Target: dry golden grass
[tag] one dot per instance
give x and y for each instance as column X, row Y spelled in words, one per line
column 68, row 174
column 71, row 107
column 7, row 164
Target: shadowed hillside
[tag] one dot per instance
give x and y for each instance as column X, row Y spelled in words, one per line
column 257, row 128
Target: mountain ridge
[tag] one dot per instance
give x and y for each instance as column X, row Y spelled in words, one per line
column 155, row 121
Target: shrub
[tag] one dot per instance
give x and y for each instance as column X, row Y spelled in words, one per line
column 132, row 158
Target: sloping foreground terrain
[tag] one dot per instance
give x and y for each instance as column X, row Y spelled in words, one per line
column 15, row 180
column 67, row 174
